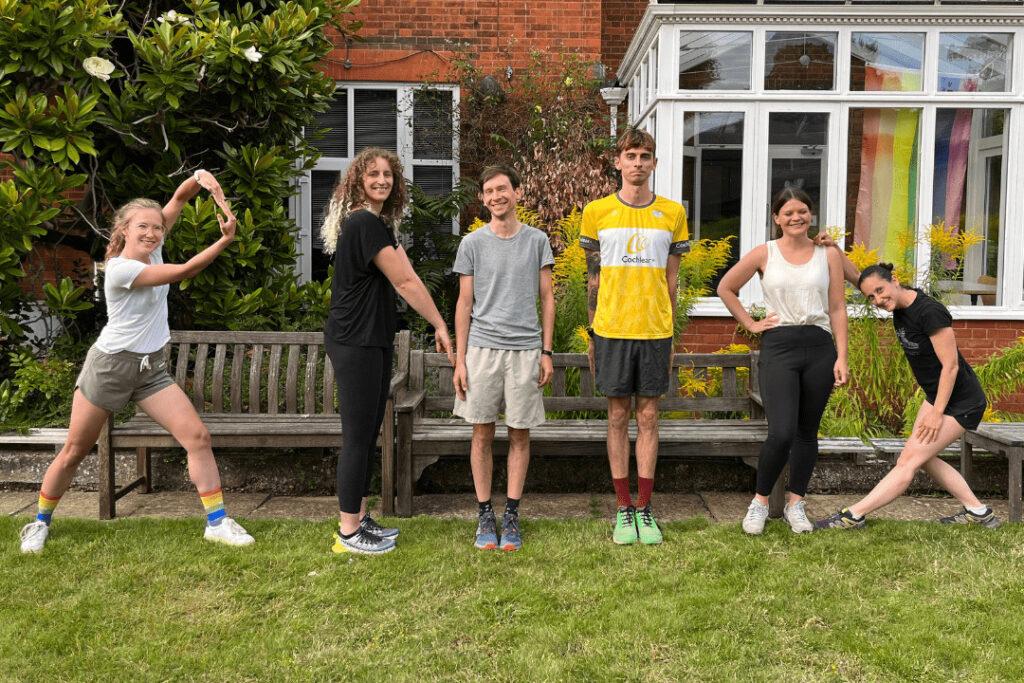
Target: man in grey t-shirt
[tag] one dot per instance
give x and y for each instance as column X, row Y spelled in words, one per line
column 503, row 354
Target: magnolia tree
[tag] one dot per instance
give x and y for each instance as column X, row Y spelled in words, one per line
column 101, row 102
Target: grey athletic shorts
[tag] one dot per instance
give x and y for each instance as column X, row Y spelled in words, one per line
column 502, row 381
column 110, row 381
column 631, row 366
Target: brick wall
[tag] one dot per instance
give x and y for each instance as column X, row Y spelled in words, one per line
column 619, row 20
column 977, row 340
column 416, row 40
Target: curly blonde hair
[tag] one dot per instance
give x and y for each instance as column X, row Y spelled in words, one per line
column 349, row 197
column 120, row 221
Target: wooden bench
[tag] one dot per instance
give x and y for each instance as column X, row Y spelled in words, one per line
column 1004, row 438
column 422, row 437
column 247, row 400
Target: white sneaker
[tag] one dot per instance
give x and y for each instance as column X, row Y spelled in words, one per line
column 33, row 536
column 757, row 514
column 796, row 517
column 228, row 531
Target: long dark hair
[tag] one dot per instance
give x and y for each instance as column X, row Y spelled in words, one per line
column 780, row 199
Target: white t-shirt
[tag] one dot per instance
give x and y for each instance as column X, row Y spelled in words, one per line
column 136, row 318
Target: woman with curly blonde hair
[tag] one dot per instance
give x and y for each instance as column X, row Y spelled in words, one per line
column 361, row 230
column 128, row 362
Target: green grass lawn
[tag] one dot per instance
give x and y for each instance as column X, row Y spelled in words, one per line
column 148, row 599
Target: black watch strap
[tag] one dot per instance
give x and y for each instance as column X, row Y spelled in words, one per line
column 546, row 352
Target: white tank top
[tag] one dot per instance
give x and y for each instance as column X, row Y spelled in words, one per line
column 798, row 294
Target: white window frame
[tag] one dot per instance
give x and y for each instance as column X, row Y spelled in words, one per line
column 300, row 206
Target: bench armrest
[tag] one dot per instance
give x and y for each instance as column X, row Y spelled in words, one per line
column 398, row 380
column 410, row 401
column 755, row 396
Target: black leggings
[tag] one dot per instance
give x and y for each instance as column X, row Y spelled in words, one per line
column 363, row 376
column 796, row 377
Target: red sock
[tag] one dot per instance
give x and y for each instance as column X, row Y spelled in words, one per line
column 643, row 496
column 622, row 492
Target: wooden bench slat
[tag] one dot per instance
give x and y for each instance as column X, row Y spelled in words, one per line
column 273, row 373
column 237, row 365
column 255, row 375
column 309, row 395
column 181, row 372
column 217, row 390
column 328, row 396
column 199, row 386
column 291, row 381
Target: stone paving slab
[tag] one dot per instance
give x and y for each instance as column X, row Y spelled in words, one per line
column 177, row 504
column 297, row 507
column 13, row 502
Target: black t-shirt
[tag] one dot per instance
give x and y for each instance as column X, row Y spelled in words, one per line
column 914, row 325
column 362, row 299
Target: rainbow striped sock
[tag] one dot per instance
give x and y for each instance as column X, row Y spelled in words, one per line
column 46, row 507
column 214, row 504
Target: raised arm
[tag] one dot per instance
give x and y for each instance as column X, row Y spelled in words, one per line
column 189, row 189
column 165, row 273
column 395, row 265
column 734, row 279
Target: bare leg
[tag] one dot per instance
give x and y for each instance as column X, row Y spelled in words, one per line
column 518, row 461
column 949, row 478
column 647, row 435
column 618, row 436
column 915, row 455
column 481, row 460
column 173, row 411
column 86, row 422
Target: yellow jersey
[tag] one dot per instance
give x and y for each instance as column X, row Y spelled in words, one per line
column 635, row 242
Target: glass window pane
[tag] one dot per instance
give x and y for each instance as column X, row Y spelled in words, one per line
column 797, row 157
column 335, row 141
column 435, row 181
column 376, row 124
column 713, row 177
column 882, row 172
column 714, row 60
column 432, row 124
column 886, row 61
column 967, row 209
column 321, row 187
column 970, row 62
column 799, row 61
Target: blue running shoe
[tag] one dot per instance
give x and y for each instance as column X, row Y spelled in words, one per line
column 486, row 532
column 510, row 538
column 368, row 523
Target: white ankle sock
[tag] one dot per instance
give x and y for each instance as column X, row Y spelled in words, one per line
column 978, row 511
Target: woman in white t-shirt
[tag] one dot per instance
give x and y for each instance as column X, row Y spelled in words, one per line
column 128, row 362
column 800, row 362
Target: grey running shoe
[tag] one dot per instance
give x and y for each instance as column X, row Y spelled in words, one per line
column 796, row 517
column 368, row 523
column 362, row 542
column 987, row 519
column 228, row 531
column 757, row 514
column 487, row 531
column 843, row 519
column 33, row 536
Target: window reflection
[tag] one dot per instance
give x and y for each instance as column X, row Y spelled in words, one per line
column 970, row 62
column 799, row 61
column 714, row 60
column 886, row 61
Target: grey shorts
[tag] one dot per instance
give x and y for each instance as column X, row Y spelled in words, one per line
column 497, row 376
column 631, row 366
column 110, row 381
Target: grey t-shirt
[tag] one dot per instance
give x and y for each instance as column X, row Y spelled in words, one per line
column 506, row 283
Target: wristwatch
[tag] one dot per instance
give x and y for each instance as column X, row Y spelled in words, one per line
column 590, row 332
column 546, row 352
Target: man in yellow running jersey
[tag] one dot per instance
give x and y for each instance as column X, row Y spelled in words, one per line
column 634, row 241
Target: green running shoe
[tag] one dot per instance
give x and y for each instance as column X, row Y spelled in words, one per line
column 625, row 526
column 649, row 531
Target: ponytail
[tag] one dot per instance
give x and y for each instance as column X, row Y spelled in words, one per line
column 882, row 270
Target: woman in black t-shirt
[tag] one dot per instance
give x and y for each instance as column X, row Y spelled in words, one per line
column 369, row 266
column 954, row 401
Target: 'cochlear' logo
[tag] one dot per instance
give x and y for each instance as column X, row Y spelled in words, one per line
column 636, row 244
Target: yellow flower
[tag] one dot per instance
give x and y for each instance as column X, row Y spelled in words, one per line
column 536, row 108
column 835, row 232
column 862, row 257
column 568, row 80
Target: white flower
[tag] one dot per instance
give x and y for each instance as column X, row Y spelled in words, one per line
column 252, row 54
column 174, row 17
column 98, row 67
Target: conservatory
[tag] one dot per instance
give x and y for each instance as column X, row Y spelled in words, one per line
column 905, row 124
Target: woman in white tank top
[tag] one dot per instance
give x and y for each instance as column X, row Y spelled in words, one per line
column 800, row 362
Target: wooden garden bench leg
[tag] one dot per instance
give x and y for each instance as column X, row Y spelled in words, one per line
column 105, row 471
column 1013, row 455
column 387, row 461
column 144, row 469
column 403, row 468
column 966, row 459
